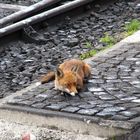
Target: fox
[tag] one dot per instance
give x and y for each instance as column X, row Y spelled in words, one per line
column 69, row 76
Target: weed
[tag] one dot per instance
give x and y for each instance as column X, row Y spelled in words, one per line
column 108, row 40
column 132, row 27
column 88, row 54
column 88, row 44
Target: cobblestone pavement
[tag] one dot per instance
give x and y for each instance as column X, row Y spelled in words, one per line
column 110, row 97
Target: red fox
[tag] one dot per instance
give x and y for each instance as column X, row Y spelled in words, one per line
column 69, row 76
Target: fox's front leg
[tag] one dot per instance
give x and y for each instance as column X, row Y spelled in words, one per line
column 87, row 71
column 80, row 84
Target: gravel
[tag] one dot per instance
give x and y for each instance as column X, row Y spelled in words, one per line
column 22, row 63
column 20, row 2
column 15, row 131
column 4, row 13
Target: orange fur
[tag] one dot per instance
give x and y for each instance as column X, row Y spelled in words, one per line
column 48, row 77
column 69, row 76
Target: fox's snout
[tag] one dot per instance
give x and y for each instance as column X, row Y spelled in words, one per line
column 73, row 91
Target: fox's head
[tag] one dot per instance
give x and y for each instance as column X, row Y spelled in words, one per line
column 66, row 81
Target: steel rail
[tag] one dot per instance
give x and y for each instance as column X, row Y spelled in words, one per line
column 42, row 16
column 27, row 11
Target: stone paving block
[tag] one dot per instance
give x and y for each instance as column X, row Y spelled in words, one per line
column 70, row 109
column 86, row 94
column 95, row 89
column 113, row 109
column 112, row 94
column 96, row 81
column 119, row 117
column 106, row 97
column 38, row 99
column 110, row 77
column 26, row 103
column 128, row 113
column 104, row 105
column 56, row 106
column 128, row 98
column 129, row 105
column 137, row 109
column 137, row 119
column 100, row 93
column 105, row 114
column 113, row 61
column 86, row 106
column 39, row 105
column 136, row 100
column 88, row 111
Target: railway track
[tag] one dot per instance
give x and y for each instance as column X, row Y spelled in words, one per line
column 34, row 43
column 26, row 17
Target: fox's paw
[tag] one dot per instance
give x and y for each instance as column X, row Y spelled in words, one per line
column 38, row 83
column 72, row 94
column 62, row 93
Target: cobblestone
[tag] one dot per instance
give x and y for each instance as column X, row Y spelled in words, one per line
column 110, row 94
column 70, row 109
column 88, row 111
column 128, row 113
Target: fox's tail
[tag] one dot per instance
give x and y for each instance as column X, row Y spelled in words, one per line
column 48, row 77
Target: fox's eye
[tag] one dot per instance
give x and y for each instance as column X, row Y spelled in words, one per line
column 65, row 85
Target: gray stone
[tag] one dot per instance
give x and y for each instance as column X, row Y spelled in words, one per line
column 113, row 109
column 100, row 93
column 26, row 103
column 39, row 105
column 136, row 101
column 73, row 42
column 95, row 89
column 86, row 94
column 87, row 106
column 104, row 105
column 56, row 106
column 106, row 97
column 105, row 114
column 137, row 109
column 128, row 98
column 38, row 99
column 112, row 77
column 136, row 119
column 96, row 81
column 87, row 111
column 70, row 109
column 119, row 117
column 128, row 113
column 113, row 81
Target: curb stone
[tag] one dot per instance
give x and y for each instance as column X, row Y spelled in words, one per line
column 127, row 52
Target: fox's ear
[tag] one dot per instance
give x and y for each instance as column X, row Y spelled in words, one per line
column 74, row 68
column 59, row 72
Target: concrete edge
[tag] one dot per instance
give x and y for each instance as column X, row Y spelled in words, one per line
column 74, row 123
column 84, row 118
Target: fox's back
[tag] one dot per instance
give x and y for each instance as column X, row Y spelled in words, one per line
column 83, row 69
column 69, row 64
